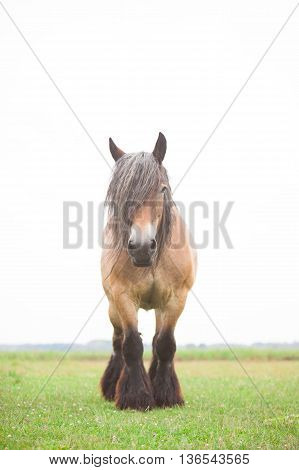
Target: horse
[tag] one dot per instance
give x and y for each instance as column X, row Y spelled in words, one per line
column 147, row 262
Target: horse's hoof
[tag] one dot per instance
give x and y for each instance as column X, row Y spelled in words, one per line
column 143, row 402
column 169, row 402
column 166, row 388
column 133, row 391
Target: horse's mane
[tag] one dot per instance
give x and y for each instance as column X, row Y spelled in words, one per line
column 136, row 178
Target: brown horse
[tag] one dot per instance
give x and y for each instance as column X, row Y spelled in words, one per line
column 148, row 263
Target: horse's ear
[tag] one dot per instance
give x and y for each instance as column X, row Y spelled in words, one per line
column 160, row 148
column 115, row 151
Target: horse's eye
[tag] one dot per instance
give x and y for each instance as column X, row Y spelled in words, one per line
column 163, row 189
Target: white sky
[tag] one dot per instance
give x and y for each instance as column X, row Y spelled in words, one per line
column 131, row 69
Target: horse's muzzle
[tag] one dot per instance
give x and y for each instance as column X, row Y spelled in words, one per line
column 142, row 254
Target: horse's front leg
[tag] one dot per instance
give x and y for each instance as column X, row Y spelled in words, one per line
column 133, row 389
column 116, row 362
column 154, row 363
column 166, row 386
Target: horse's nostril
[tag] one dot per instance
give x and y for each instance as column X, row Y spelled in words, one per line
column 131, row 245
column 153, row 244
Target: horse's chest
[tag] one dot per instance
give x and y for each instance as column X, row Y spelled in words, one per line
column 151, row 293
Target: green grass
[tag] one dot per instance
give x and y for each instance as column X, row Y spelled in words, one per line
column 223, row 410
column 192, row 354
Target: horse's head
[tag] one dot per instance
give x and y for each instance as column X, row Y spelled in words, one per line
column 146, row 221
column 141, row 197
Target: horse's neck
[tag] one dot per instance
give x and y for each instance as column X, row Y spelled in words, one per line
column 180, row 234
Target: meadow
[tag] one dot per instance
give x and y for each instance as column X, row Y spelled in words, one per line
column 223, row 408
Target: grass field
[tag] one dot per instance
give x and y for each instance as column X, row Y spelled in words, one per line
column 223, row 409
